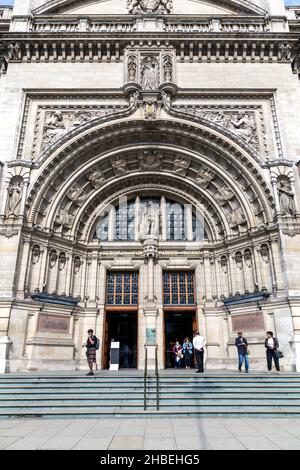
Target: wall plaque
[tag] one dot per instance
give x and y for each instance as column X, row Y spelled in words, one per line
column 53, row 324
column 250, row 322
column 151, row 336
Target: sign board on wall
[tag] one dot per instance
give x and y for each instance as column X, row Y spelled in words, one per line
column 248, row 322
column 53, row 324
column 114, row 355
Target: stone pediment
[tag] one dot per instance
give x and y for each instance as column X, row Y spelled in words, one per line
column 176, row 7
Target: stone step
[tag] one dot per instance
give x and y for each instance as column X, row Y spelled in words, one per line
column 75, row 413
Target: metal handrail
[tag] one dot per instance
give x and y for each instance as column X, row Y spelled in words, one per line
column 145, row 378
column 157, row 379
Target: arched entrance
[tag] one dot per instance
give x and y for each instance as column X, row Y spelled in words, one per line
column 219, row 192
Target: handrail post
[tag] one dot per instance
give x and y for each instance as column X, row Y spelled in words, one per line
column 145, row 378
column 157, row 378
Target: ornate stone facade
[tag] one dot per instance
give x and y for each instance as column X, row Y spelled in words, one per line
column 153, row 143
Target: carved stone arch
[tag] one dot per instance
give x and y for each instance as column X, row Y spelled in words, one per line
column 222, row 178
column 184, row 135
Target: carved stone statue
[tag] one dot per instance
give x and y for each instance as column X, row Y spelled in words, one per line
column 181, row 165
column 64, row 218
column 204, row 177
column 96, row 179
column 236, row 217
column 151, row 220
column 150, row 74
column 54, row 128
column 150, row 6
column 132, row 66
column 14, row 49
column 76, row 194
column 223, row 195
column 244, row 126
column 14, row 197
column 168, row 68
column 119, row 167
column 286, row 197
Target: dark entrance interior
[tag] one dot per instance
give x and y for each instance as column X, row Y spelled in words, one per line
column 121, row 327
column 178, row 325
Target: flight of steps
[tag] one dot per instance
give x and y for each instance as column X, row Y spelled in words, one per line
column 181, row 394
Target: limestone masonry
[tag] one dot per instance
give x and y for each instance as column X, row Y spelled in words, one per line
column 149, row 179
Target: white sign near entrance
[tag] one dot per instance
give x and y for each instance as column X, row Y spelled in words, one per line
column 114, row 356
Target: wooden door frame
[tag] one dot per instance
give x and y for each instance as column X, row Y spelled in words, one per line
column 174, row 310
column 118, row 311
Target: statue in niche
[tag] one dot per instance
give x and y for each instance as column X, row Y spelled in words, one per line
column 77, row 264
column 132, row 69
column 14, row 193
column 52, row 258
column 264, row 251
column 96, row 179
column 168, row 68
column 36, row 253
column 286, row 197
column 204, row 177
column 150, row 74
column 224, row 264
column 14, row 50
column 248, row 258
column 223, row 195
column 151, row 220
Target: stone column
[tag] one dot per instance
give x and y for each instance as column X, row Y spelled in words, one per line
column 5, row 342
column 25, row 268
column 150, row 309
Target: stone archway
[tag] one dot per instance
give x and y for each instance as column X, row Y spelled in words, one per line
column 84, row 174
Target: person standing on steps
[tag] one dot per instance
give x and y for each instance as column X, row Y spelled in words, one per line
column 187, row 352
column 177, row 351
column 272, row 345
column 199, row 345
column 91, row 346
column 243, row 353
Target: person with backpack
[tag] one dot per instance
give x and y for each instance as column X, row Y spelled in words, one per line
column 92, row 345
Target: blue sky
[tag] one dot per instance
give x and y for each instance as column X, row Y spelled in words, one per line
column 287, row 2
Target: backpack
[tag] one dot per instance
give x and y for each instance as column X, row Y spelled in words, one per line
column 97, row 343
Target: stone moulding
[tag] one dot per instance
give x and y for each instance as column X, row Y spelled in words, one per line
column 266, row 47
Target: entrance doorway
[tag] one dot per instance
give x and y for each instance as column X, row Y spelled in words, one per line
column 122, row 327
column 178, row 326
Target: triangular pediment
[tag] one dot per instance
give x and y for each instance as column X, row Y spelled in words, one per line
column 120, row 7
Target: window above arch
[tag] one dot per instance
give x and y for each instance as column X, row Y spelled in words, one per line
column 153, row 216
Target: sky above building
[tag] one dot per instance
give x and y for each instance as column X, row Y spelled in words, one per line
column 287, row 2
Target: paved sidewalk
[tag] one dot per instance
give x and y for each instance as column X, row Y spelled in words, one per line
column 151, row 434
